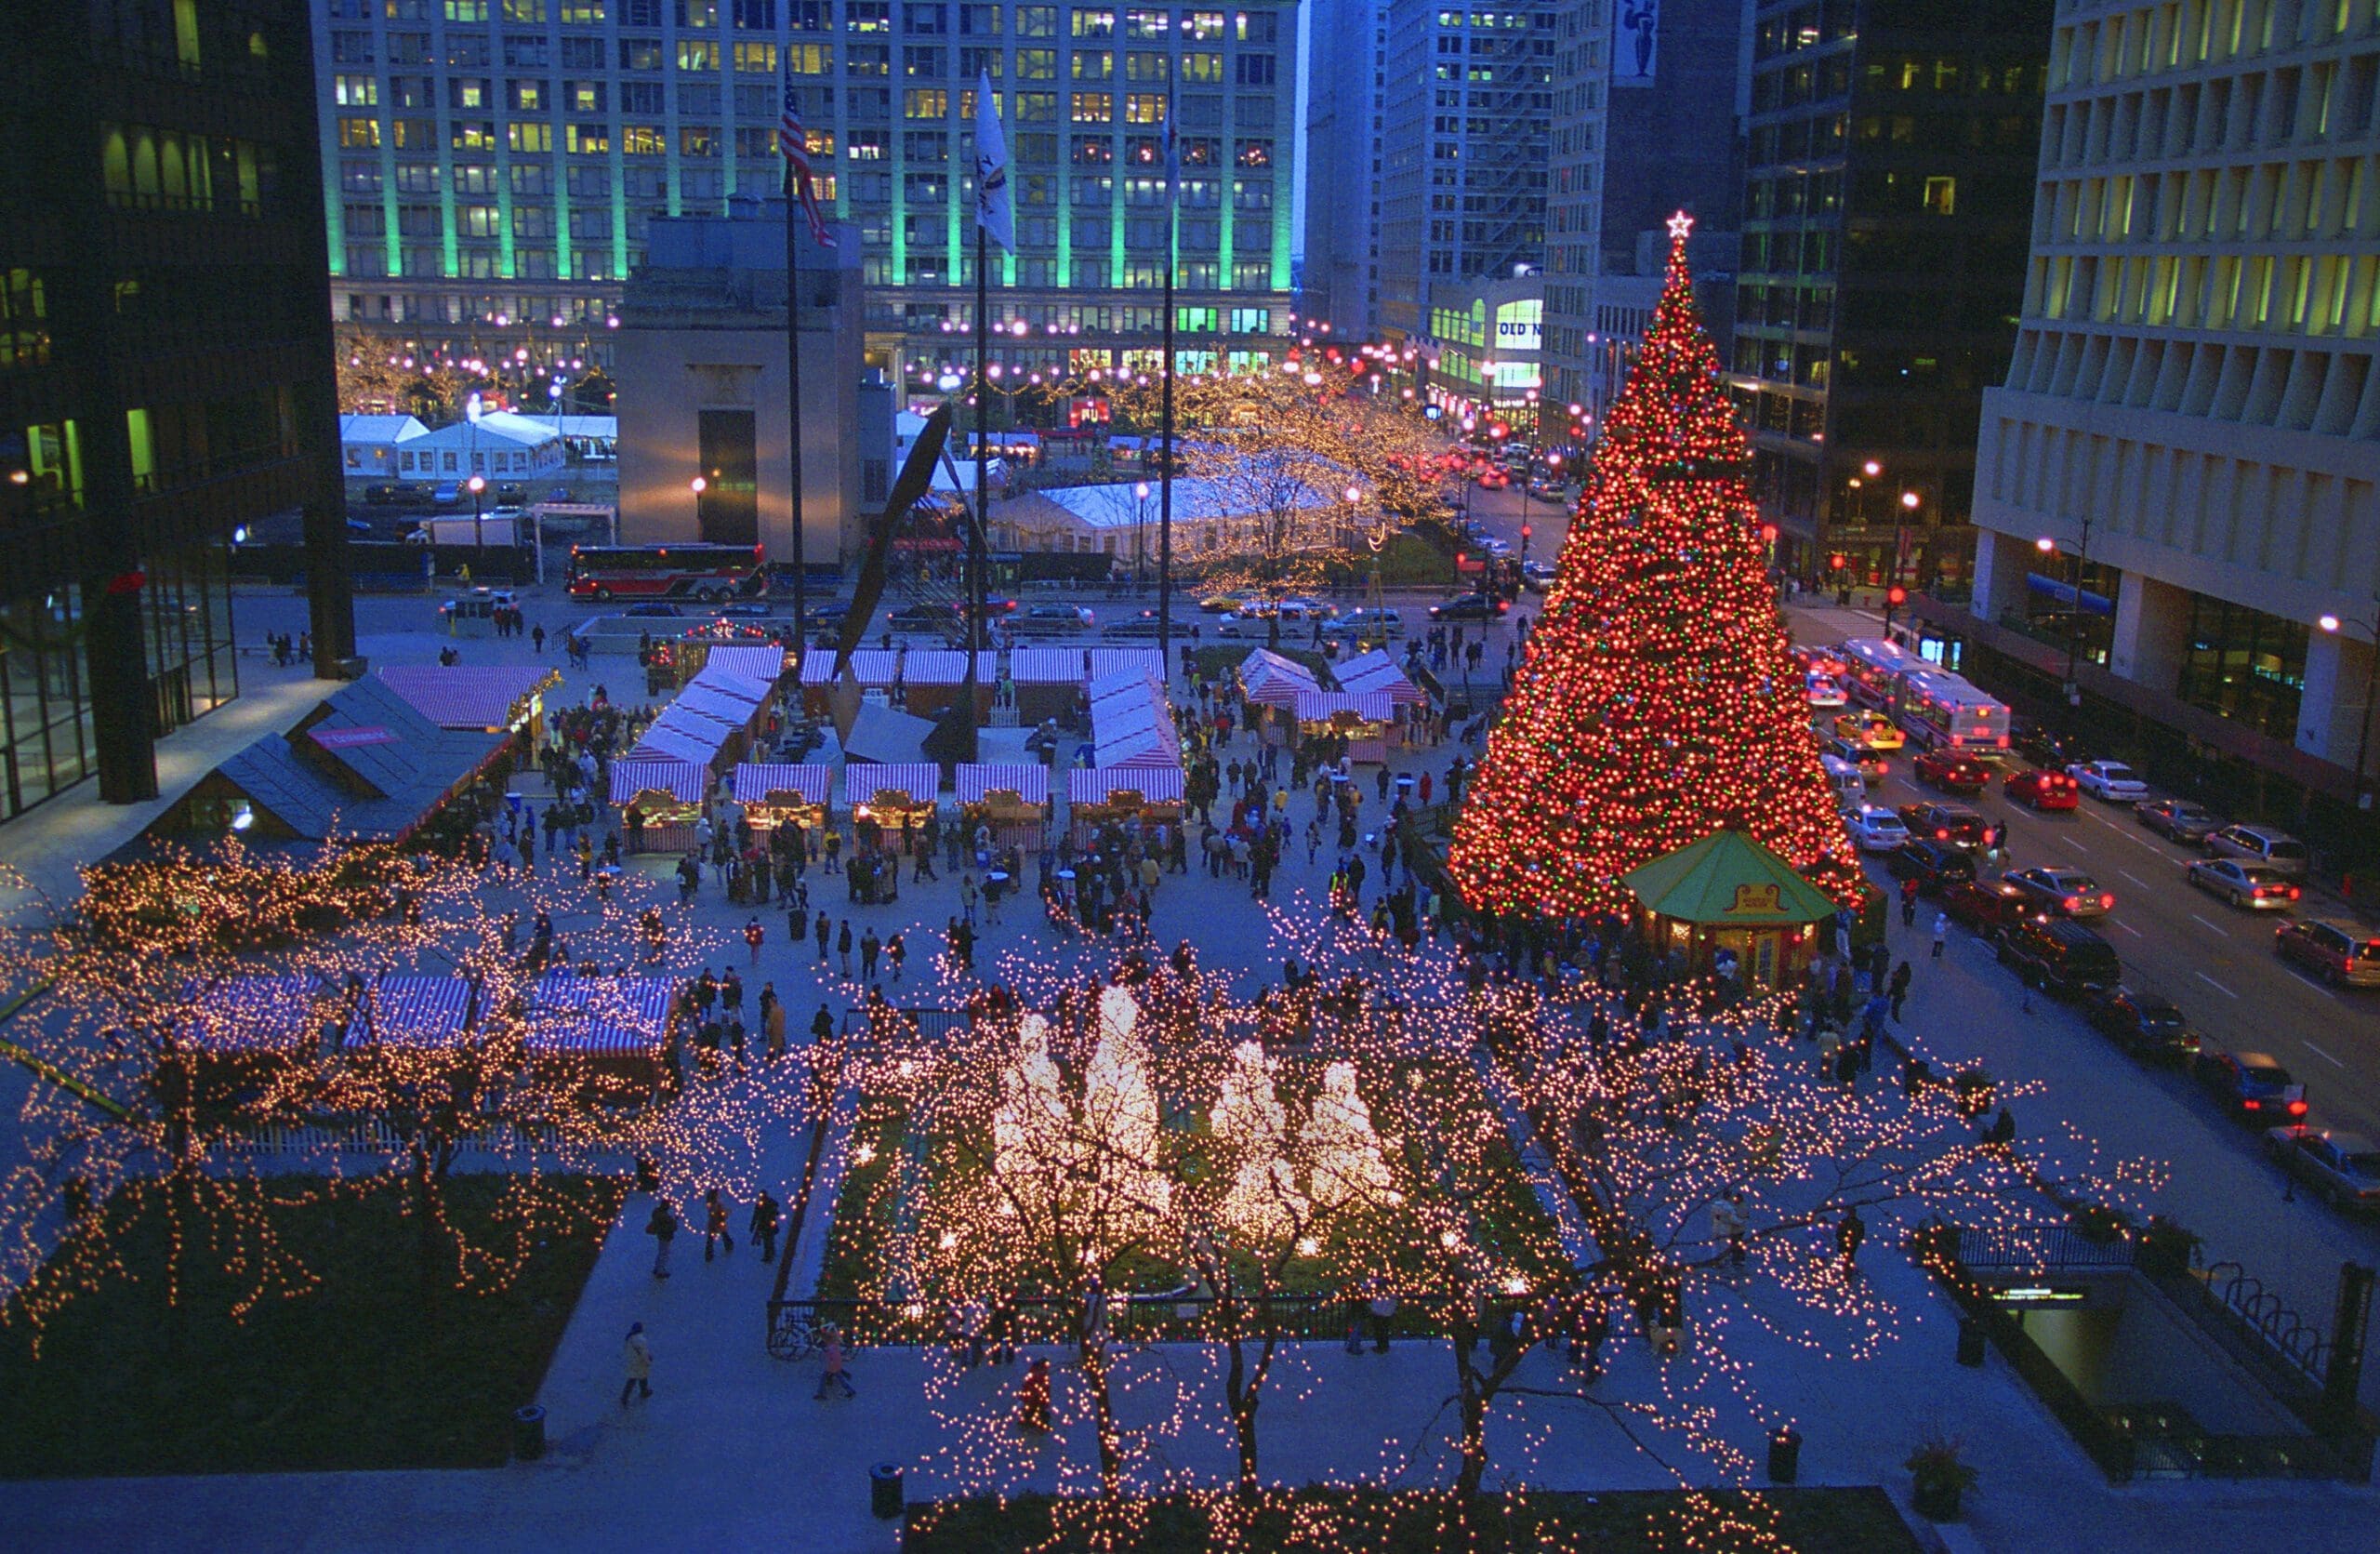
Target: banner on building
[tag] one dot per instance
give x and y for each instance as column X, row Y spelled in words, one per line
column 1635, row 42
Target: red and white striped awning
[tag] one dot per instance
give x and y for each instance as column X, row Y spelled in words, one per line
column 1131, row 723
column 601, row 1017
column 1095, row 785
column 717, row 702
column 945, row 666
column 1376, row 670
column 674, row 743
column 762, row 665
column 921, row 781
column 403, row 1009
column 1268, row 678
column 870, row 666
column 1322, row 706
column 756, row 781
column 1079, row 666
column 681, row 780
column 1027, row 780
column 252, row 1013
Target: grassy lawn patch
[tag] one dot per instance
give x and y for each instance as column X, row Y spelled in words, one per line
column 357, row 1375
column 1811, row 1520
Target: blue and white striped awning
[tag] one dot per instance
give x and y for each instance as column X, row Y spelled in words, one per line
column 403, row 1009
column 601, row 1017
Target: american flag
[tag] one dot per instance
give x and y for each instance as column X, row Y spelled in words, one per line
column 794, row 141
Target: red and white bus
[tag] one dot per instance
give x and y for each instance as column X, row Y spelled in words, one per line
column 710, row 573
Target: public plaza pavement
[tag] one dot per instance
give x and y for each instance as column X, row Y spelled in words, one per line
column 733, row 1447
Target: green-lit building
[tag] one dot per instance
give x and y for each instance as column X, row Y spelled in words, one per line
column 495, row 165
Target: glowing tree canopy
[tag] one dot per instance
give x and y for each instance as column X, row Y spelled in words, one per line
column 1341, row 1142
column 1262, row 1204
column 1657, row 703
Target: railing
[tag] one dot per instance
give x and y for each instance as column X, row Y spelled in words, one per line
column 2045, row 1249
column 2258, row 1315
column 1142, row 1317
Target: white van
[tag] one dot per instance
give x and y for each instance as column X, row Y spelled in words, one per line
column 1850, row 787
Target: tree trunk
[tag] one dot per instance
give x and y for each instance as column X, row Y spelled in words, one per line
column 1103, row 1402
column 425, row 1204
column 1245, row 1398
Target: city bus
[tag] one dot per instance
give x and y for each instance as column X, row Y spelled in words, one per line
column 710, row 573
column 1941, row 710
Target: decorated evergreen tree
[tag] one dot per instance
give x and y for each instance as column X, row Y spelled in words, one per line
column 1656, row 702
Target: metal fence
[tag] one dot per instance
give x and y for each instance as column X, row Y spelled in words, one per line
column 1144, row 1317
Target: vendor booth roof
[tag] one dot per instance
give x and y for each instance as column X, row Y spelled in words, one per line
column 681, row 780
column 1028, row 781
column 468, row 696
column 887, row 736
column 1376, row 670
column 870, row 666
column 945, row 666
column 1319, row 706
column 1273, row 680
column 1131, row 725
column 252, row 1013
column 599, row 1016
column 713, row 701
column 1079, row 666
column 403, row 1009
column 1092, row 785
column 1727, row 880
column 921, row 781
column 756, row 781
column 674, row 743
column 764, row 666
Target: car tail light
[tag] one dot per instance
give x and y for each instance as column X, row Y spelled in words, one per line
column 2298, row 1109
column 2108, row 903
column 2293, row 893
column 2072, row 902
column 2252, row 1104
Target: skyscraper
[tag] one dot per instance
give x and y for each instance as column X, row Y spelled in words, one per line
column 1468, row 101
column 1349, row 43
column 498, row 160
column 1887, row 203
column 165, row 371
column 2191, row 421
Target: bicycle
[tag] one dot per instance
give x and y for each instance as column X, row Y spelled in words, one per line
column 792, row 1335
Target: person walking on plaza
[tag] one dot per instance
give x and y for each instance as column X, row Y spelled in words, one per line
column 753, row 936
column 773, row 1022
column 663, row 1228
column 822, row 1026
column 1902, row 974
column 896, row 952
column 1908, row 903
column 1032, row 1397
column 638, row 1355
column 715, row 1225
column 764, row 1226
column 843, row 947
column 869, row 949
column 837, row 1370
column 1941, row 932
column 826, row 932
column 1847, row 1237
column 1729, row 1224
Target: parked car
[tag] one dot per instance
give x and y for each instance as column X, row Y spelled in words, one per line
column 1545, row 493
column 923, row 617
column 1824, row 693
column 1468, row 607
column 1876, row 830
column 1142, row 628
column 1052, row 620
column 1989, row 907
column 2253, row 1086
column 1372, row 623
column 1222, row 604
column 1493, row 479
column 2146, row 1024
column 1497, row 547
column 2180, row 820
column 2060, row 956
column 1537, row 575
column 2342, row 953
column 2042, row 790
column 2260, row 844
column 2343, row 1168
column 1933, row 865
column 1951, row 771
column 1952, row 825
column 2041, row 746
column 510, row 496
column 2108, row 781
column 832, row 612
column 1870, row 764
column 2251, row 887
column 445, row 494
column 2063, row 892
column 1873, row 730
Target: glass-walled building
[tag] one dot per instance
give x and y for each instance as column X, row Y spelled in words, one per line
column 164, row 370
column 497, row 162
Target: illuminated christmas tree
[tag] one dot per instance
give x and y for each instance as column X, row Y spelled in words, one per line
column 1656, row 702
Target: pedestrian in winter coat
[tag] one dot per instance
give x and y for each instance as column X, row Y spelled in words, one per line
column 896, row 952
column 639, row 1356
column 715, row 1225
column 869, row 949
column 1941, row 932
column 822, row 1025
column 663, row 1228
column 774, row 1023
column 1729, row 1222
column 764, row 1225
column 1032, row 1397
column 826, row 932
column 843, row 946
column 1847, row 1237
column 753, row 936
column 1901, row 976
column 837, row 1370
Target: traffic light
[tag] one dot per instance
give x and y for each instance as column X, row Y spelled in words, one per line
column 1525, row 531
column 1836, row 563
column 1768, row 533
column 1896, row 596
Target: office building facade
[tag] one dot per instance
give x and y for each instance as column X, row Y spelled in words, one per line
column 1648, row 120
column 1887, row 199
column 2190, row 415
column 165, row 371
column 1340, row 284
column 498, row 162
column 1464, row 122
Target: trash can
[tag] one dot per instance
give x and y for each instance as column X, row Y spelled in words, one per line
column 1784, row 1454
column 884, row 1490
column 528, row 1433
column 1970, row 1341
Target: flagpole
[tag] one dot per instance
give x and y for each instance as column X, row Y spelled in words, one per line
column 793, row 420
column 1164, row 475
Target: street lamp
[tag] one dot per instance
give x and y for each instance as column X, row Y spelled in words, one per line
column 2048, row 547
column 2371, row 684
column 698, row 485
column 476, row 484
column 1140, row 520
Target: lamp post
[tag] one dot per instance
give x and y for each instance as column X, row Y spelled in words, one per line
column 476, row 484
column 2371, row 685
column 1895, row 596
column 698, row 485
column 1140, row 518
column 2048, row 547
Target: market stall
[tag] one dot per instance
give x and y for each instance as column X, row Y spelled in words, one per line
column 779, row 793
column 929, row 681
column 1729, row 905
column 1376, row 670
column 486, row 699
column 1012, row 799
column 762, row 666
column 898, row 802
column 872, row 668
column 244, row 1031
column 1052, row 682
column 410, row 1010
column 661, row 802
column 1270, row 681
column 1101, row 795
column 1132, row 724
column 615, row 1030
column 1357, row 723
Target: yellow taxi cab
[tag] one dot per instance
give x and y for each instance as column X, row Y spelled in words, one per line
column 1869, row 730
